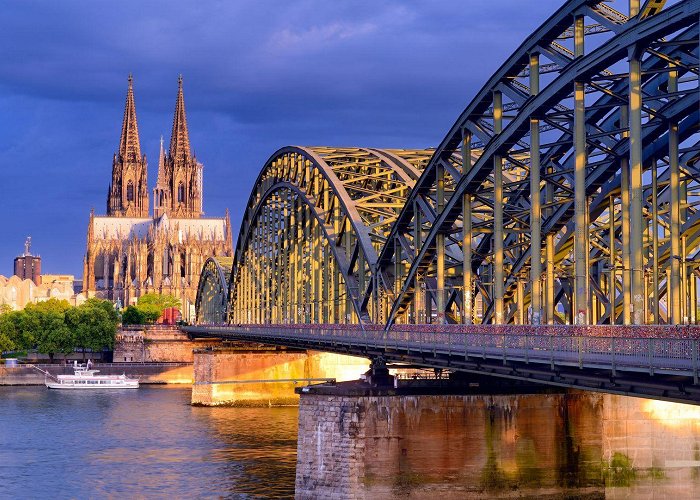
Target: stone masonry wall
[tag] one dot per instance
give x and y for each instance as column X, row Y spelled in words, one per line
column 174, row 373
column 479, row 446
column 392, row 447
column 156, row 344
column 330, row 447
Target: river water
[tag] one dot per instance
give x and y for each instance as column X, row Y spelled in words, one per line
column 144, row 443
column 150, row 443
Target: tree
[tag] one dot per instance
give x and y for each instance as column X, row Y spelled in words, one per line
column 132, row 316
column 11, row 332
column 105, row 305
column 47, row 322
column 7, row 333
column 152, row 305
column 6, row 343
column 25, row 327
column 93, row 326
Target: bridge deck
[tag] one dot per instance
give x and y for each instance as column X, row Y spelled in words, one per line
column 658, row 367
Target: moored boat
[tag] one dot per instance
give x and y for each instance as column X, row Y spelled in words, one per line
column 84, row 378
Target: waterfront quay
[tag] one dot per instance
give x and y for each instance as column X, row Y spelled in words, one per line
column 147, row 373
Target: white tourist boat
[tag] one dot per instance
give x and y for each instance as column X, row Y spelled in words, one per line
column 84, row 378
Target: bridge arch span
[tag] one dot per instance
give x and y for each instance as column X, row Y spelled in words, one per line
column 312, row 229
column 211, row 304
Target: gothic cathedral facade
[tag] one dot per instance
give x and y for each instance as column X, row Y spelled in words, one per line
column 130, row 253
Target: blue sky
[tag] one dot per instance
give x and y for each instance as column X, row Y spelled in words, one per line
column 258, row 75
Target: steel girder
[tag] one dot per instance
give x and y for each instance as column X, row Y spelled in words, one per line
column 604, row 83
column 602, row 186
column 312, row 229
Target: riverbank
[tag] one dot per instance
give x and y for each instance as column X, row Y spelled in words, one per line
column 147, row 373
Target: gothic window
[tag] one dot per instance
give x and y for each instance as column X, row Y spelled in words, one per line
column 167, row 261
column 99, row 270
column 110, row 271
column 130, row 191
column 149, row 265
column 99, row 266
column 181, row 193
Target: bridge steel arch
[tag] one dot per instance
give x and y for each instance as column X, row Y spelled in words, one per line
column 313, row 227
column 556, row 151
column 211, row 304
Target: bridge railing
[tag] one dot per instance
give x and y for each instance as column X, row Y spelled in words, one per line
column 652, row 354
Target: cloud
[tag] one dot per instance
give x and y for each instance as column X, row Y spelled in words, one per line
column 316, row 38
column 258, row 76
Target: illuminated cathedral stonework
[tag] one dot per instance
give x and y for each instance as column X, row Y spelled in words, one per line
column 130, row 253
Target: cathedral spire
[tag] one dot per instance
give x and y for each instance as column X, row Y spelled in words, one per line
column 180, row 138
column 128, row 192
column 182, row 195
column 129, row 146
column 161, row 181
column 161, row 193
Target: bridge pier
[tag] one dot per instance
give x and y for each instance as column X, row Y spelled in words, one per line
column 359, row 441
column 246, row 374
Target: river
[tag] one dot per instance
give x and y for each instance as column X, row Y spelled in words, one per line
column 144, row 443
column 151, row 443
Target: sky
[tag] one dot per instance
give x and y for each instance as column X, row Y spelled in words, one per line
column 258, row 75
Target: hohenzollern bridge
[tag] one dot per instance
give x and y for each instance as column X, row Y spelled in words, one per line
column 553, row 235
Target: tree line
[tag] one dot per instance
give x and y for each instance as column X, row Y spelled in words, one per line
column 54, row 326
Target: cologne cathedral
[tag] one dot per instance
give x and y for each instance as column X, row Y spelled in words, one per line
column 130, row 252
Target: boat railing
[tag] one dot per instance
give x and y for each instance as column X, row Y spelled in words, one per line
column 45, row 372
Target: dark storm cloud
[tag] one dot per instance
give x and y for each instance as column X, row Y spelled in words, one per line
column 258, row 75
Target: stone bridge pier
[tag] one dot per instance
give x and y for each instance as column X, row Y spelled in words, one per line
column 479, row 440
column 246, row 374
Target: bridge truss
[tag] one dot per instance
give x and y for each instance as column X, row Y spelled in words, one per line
column 581, row 150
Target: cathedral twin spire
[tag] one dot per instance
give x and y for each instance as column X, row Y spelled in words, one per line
column 180, row 137
column 129, row 145
column 128, row 191
column 178, row 190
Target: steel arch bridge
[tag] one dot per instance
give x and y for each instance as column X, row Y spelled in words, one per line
column 581, row 149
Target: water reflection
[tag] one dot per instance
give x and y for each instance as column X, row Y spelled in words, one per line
column 152, row 443
column 145, row 443
column 260, row 444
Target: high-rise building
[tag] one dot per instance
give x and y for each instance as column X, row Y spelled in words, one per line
column 128, row 252
column 28, row 266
